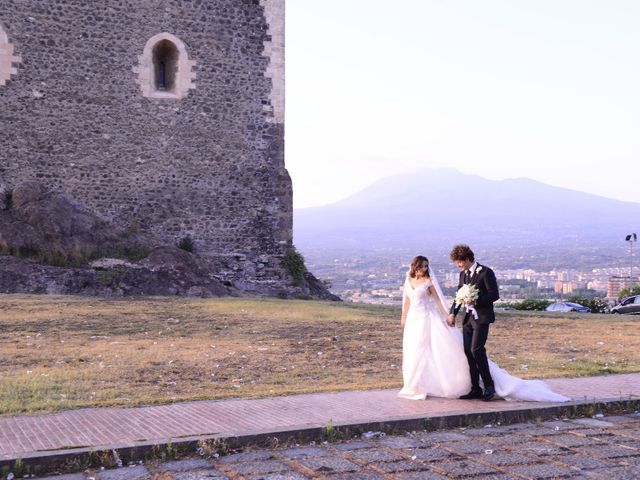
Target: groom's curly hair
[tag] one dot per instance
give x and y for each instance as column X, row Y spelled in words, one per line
column 416, row 263
column 462, row 252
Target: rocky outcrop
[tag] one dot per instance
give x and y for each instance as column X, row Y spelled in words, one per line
column 118, row 279
column 166, row 271
column 51, row 228
column 49, row 243
column 315, row 288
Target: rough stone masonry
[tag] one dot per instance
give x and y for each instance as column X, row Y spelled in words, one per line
column 165, row 116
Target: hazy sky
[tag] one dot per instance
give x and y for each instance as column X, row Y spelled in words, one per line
column 545, row 89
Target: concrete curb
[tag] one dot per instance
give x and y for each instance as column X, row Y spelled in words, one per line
column 79, row 459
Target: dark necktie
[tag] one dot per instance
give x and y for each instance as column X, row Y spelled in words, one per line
column 467, row 276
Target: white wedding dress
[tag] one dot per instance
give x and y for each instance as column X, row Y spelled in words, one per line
column 433, row 359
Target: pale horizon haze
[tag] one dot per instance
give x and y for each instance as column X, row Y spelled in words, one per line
column 548, row 90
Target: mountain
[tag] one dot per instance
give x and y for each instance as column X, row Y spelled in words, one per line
column 435, row 208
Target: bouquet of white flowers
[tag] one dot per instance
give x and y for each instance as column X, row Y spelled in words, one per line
column 466, row 294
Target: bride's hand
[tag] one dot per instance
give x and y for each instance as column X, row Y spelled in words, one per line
column 451, row 320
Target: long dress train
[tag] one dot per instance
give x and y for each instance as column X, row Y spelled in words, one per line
column 433, row 359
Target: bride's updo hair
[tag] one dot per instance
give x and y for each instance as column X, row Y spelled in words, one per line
column 416, row 263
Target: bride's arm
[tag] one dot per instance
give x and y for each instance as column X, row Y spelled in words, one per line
column 405, row 307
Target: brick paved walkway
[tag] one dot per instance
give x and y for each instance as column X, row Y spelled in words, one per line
column 109, row 427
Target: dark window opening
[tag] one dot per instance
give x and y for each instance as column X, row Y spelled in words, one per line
column 162, row 76
column 165, row 65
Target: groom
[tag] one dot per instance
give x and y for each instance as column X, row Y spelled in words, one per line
column 475, row 331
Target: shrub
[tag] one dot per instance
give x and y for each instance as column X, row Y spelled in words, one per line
column 596, row 304
column 132, row 253
column 532, row 304
column 136, row 252
column 186, row 244
column 505, row 305
column 76, row 258
column 133, row 227
column 107, row 277
column 294, row 263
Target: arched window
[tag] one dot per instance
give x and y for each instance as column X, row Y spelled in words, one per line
column 164, row 69
column 7, row 58
column 165, row 65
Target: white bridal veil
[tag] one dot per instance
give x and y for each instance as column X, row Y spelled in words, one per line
column 436, row 286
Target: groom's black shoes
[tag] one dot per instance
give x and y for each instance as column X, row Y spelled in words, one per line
column 474, row 394
column 488, row 394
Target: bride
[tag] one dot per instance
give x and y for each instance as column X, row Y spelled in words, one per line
column 433, row 358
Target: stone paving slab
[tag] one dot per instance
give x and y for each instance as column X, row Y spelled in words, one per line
column 29, row 437
column 390, row 458
column 137, row 472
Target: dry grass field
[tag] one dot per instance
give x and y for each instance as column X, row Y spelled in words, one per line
column 60, row 352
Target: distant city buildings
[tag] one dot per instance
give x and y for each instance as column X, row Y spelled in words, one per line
column 451, row 279
column 379, row 279
column 562, row 284
column 598, row 285
column 615, row 284
column 563, row 287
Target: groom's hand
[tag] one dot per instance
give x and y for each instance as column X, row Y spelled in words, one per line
column 451, row 320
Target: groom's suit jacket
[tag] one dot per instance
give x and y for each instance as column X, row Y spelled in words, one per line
column 485, row 280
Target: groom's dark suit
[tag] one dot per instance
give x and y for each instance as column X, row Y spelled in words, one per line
column 475, row 332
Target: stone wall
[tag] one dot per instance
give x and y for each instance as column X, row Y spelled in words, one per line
column 203, row 158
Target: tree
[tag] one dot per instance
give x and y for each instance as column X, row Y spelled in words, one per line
column 629, row 292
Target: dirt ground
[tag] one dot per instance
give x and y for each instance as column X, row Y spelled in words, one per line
column 60, row 352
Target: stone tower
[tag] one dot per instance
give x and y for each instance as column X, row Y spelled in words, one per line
column 164, row 115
